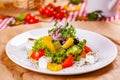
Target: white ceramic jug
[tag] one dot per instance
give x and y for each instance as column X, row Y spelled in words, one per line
column 108, row 7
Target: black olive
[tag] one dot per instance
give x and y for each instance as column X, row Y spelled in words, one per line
column 61, row 42
column 76, row 41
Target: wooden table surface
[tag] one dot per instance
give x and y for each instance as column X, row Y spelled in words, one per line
column 11, row 71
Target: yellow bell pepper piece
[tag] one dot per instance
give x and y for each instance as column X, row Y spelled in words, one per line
column 73, row 8
column 49, row 45
column 54, row 66
column 47, row 38
column 47, row 41
column 68, row 43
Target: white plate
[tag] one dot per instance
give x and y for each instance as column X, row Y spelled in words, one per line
column 106, row 51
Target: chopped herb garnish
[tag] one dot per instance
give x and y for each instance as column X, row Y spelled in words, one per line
column 67, row 24
column 55, row 23
column 66, row 30
column 64, row 33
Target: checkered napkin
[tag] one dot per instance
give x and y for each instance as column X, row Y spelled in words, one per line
column 4, row 23
column 72, row 15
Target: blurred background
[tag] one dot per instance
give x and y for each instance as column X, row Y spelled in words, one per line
column 16, row 12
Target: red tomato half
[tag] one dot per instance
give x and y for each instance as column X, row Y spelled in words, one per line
column 68, row 62
column 83, row 54
column 87, row 49
column 37, row 54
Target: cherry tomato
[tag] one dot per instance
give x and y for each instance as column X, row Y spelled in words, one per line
column 30, row 19
column 37, row 54
column 87, row 49
column 50, row 5
column 28, row 16
column 36, row 20
column 48, row 12
column 65, row 13
column 57, row 9
column 59, row 15
column 68, row 62
column 51, row 10
column 41, row 10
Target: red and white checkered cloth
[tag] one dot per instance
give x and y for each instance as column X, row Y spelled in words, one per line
column 72, row 16
column 4, row 23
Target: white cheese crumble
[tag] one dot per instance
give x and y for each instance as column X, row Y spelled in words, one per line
column 43, row 61
column 90, row 59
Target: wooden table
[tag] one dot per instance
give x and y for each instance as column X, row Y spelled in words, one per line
column 12, row 71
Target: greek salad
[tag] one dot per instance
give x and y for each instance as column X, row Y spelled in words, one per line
column 60, row 49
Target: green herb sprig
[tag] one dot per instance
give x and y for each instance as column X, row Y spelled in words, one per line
column 76, row 1
column 95, row 15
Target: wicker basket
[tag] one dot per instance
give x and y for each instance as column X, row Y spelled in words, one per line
column 27, row 4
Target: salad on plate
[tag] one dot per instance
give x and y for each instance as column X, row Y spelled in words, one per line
column 60, row 49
